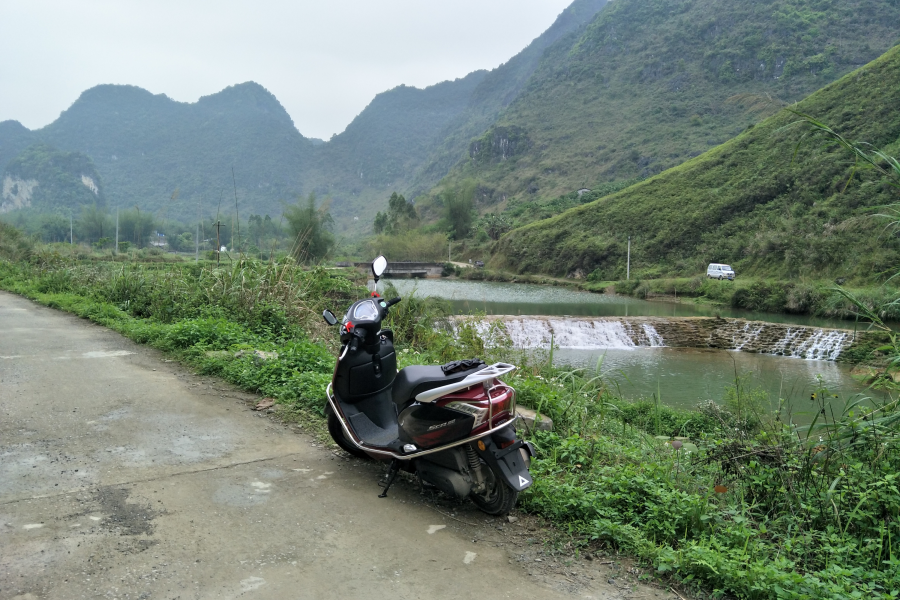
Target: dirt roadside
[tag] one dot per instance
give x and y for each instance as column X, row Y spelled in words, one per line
column 124, row 475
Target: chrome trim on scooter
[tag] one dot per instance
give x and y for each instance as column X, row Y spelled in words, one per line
column 353, row 440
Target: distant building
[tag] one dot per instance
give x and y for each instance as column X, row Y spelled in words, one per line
column 158, row 239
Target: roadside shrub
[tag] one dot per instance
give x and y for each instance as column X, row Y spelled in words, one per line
column 596, row 276
column 627, row 286
column 802, row 299
column 659, row 419
column 760, row 296
column 14, row 245
column 55, row 282
column 211, row 333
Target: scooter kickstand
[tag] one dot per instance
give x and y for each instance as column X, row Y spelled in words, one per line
column 391, row 476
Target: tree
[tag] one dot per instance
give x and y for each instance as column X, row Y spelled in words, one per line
column 135, row 226
column 459, row 210
column 381, row 222
column 183, row 242
column 93, row 223
column 54, row 228
column 495, row 225
column 311, row 228
column 262, row 230
column 400, row 216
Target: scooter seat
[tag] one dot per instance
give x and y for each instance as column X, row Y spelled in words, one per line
column 415, row 379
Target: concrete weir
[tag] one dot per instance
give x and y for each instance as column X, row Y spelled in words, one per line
column 799, row 341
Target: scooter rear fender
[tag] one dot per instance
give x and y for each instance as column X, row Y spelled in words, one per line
column 508, row 461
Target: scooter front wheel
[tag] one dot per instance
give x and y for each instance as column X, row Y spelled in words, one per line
column 337, row 434
column 497, row 497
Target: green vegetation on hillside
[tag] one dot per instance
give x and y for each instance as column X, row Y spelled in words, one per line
column 749, row 202
column 146, row 146
column 47, row 179
column 648, row 84
column 495, row 92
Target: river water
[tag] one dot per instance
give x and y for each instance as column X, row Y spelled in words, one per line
column 681, row 376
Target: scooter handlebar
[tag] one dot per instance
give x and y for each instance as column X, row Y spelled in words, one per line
column 392, row 302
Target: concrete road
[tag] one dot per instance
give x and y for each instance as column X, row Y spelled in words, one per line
column 123, row 475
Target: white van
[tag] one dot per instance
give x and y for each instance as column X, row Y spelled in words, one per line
column 719, row 271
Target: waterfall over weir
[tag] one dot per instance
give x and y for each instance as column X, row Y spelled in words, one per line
column 575, row 333
column 688, row 332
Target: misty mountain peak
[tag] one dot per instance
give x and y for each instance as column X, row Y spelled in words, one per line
column 243, row 97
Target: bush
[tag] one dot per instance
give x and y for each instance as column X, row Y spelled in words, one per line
column 627, row 286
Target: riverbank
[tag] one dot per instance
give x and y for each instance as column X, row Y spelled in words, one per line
column 725, row 497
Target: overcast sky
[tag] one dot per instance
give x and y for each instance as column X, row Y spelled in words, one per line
column 323, row 60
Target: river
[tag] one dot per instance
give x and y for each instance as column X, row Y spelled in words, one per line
column 681, row 376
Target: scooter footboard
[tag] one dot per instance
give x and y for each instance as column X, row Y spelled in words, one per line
column 508, row 462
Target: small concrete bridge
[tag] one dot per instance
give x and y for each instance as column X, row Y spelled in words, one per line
column 423, row 270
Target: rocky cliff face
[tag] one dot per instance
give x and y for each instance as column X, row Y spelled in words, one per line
column 16, row 193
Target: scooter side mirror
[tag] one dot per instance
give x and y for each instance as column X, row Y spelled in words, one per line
column 378, row 266
column 329, row 317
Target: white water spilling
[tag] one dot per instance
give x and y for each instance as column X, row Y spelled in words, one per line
column 630, row 333
column 654, row 338
column 747, row 335
column 822, row 345
column 582, row 334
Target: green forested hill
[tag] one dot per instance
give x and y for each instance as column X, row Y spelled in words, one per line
column 408, row 139
column 650, row 83
column 385, row 144
column 496, row 91
column 43, row 178
column 146, row 146
column 14, row 137
column 744, row 202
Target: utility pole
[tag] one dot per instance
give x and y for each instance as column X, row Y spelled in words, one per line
column 197, row 235
column 218, row 244
column 238, row 217
column 116, row 247
column 71, row 238
column 628, row 268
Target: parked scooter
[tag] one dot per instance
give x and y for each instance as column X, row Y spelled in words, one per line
column 452, row 425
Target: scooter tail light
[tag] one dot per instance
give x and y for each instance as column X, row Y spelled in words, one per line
column 504, row 401
column 468, row 408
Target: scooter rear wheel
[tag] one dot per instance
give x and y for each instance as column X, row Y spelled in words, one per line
column 498, row 498
column 337, row 434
